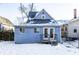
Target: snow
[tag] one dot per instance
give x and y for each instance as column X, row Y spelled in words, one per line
column 47, row 24
column 61, row 22
column 10, row 48
column 73, row 44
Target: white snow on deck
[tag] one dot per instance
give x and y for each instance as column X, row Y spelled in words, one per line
column 10, row 48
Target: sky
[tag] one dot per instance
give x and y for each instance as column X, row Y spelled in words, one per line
column 59, row 11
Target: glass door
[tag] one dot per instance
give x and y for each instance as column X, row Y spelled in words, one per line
column 48, row 33
column 45, row 33
column 51, row 34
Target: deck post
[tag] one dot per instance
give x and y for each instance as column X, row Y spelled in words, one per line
column 78, row 40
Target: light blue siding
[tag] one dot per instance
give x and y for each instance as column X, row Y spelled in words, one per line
column 58, row 33
column 28, row 36
column 47, row 16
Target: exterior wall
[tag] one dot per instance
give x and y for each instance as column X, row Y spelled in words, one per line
column 71, row 27
column 30, row 37
column 40, row 14
column 58, row 33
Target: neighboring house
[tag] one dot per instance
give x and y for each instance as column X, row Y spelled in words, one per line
column 6, row 24
column 73, row 28
column 6, row 29
column 41, row 27
column 63, row 27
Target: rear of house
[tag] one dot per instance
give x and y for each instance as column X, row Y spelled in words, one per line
column 41, row 28
column 32, row 34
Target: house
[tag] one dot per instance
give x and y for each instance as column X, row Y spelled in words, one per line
column 72, row 28
column 6, row 29
column 63, row 27
column 6, row 24
column 41, row 27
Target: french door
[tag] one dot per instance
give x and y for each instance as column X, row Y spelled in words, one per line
column 48, row 33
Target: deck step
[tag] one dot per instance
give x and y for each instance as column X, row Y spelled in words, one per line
column 45, row 41
column 48, row 40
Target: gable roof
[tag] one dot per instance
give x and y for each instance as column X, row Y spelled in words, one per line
column 32, row 14
column 38, row 15
column 39, row 20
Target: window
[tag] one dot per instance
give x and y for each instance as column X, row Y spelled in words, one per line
column 43, row 16
column 42, row 12
column 46, row 33
column 51, row 33
column 75, row 30
column 36, row 30
column 65, row 28
column 22, row 29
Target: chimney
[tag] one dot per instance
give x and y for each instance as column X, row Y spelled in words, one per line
column 75, row 13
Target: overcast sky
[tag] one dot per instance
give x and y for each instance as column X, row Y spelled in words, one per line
column 58, row 11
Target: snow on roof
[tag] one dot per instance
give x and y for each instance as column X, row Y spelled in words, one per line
column 73, row 20
column 47, row 24
column 61, row 22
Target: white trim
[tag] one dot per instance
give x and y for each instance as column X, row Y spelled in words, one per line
column 49, row 33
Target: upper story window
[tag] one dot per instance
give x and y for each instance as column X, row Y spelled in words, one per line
column 75, row 30
column 42, row 16
column 42, row 12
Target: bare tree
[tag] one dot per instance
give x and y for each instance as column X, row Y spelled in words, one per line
column 28, row 9
column 25, row 10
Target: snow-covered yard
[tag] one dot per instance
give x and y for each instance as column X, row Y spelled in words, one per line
column 10, row 48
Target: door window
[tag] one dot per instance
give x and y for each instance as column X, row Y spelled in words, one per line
column 51, row 33
column 46, row 33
